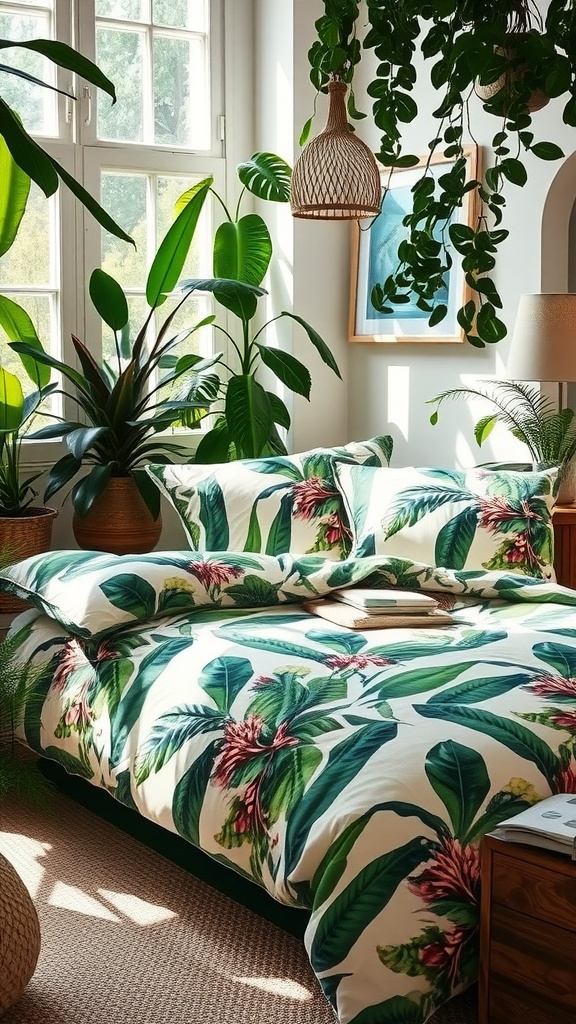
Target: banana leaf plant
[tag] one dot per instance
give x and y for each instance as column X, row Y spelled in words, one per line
column 247, row 414
column 26, row 151
column 16, row 410
column 124, row 402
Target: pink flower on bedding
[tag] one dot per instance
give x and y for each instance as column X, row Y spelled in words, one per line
column 564, row 718
column 242, row 742
column 249, row 817
column 550, row 686
column 335, row 529
column 214, row 574
column 72, row 658
column 454, row 874
column 79, row 714
column 496, row 510
column 565, row 780
column 310, row 496
column 340, row 662
column 446, row 951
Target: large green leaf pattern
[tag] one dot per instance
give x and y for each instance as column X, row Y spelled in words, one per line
column 350, row 773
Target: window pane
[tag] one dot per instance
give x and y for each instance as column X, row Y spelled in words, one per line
column 27, row 262
column 119, row 54
column 179, row 121
column 36, row 106
column 124, row 197
column 129, row 10
column 191, row 14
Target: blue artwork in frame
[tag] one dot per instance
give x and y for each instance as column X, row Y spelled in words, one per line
column 375, row 257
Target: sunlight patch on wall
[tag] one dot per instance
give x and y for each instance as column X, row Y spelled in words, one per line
column 399, row 398
column 285, row 987
column 137, row 910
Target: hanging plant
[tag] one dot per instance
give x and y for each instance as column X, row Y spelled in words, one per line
column 502, row 46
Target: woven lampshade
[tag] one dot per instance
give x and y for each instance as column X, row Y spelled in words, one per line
column 336, row 176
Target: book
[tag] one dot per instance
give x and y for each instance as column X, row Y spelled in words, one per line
column 386, row 602
column 356, row 618
column 550, row 824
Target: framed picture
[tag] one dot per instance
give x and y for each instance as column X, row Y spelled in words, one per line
column 374, row 258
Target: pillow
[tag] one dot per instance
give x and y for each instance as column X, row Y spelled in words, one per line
column 469, row 519
column 272, row 505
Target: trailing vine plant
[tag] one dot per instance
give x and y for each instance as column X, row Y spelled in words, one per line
column 505, row 44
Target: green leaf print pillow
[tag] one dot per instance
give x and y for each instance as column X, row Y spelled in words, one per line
column 461, row 519
column 278, row 505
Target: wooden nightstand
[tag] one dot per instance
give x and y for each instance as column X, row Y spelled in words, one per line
column 564, row 520
column 527, row 935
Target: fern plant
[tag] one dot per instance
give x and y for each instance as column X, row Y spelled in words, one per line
column 531, row 417
column 18, row 686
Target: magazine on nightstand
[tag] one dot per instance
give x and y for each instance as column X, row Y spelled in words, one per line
column 550, row 824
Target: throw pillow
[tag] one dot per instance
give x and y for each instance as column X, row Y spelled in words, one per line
column 469, row 519
column 271, row 505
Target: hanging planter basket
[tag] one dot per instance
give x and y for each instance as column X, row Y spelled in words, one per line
column 506, row 84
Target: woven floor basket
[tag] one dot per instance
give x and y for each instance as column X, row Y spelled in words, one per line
column 19, row 935
column 25, row 535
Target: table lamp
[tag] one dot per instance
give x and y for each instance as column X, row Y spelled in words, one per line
column 543, row 345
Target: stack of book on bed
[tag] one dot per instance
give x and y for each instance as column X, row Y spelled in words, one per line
column 363, row 608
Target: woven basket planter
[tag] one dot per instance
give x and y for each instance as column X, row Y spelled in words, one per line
column 119, row 522
column 19, row 935
column 20, row 537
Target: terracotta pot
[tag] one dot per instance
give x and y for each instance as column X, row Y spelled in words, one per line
column 119, row 522
column 19, row 935
column 22, row 536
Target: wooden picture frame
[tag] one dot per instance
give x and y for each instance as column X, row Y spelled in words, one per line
column 371, row 263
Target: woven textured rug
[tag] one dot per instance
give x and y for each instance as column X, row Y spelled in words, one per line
column 130, row 938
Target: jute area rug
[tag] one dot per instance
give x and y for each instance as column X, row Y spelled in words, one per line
column 130, row 938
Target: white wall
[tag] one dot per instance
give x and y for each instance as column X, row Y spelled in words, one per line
column 387, row 387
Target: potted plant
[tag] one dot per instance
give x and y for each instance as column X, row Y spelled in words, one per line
column 116, row 505
column 126, row 404
column 549, row 434
column 248, row 415
column 472, row 45
column 19, row 925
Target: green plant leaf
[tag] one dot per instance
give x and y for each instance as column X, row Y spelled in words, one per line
column 243, row 249
column 86, row 492
column 459, row 777
column 108, row 299
column 26, row 152
column 173, row 250
column 13, row 197
column 11, row 401
column 223, row 678
column 287, row 368
column 130, row 593
column 214, row 446
column 248, row 415
column 19, row 328
column 79, row 441
column 66, row 57
column 61, row 474
column 266, row 176
column 319, row 344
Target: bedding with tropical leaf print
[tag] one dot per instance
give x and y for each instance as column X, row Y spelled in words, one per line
column 349, row 773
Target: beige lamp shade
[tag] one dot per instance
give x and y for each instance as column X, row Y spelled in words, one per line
column 543, row 345
column 336, row 176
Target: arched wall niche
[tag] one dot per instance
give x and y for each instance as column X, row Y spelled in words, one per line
column 558, row 273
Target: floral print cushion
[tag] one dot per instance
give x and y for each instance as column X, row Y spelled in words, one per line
column 468, row 519
column 273, row 505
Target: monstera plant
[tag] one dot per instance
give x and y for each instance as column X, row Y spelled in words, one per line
column 504, row 51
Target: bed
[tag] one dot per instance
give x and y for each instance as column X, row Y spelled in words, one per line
column 350, row 773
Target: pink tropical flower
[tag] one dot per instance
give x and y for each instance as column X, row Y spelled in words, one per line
column 356, row 661
column 496, row 510
column 446, row 952
column 335, row 530
column 79, row 714
column 72, row 659
column 454, row 874
column 242, row 742
column 310, row 496
column 551, row 685
column 565, row 780
column 565, row 719
column 249, row 817
column 214, row 574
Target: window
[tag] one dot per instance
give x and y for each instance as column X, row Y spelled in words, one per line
column 137, row 156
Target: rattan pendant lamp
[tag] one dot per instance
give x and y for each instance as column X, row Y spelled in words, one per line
column 336, row 176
